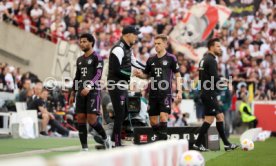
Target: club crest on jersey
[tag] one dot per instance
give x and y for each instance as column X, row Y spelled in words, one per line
column 89, row 61
column 165, row 63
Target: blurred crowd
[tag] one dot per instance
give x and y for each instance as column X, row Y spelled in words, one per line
column 248, row 43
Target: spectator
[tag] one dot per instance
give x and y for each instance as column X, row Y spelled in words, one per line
column 40, row 104
column 2, row 78
column 24, row 91
column 225, row 104
column 246, row 113
column 9, row 80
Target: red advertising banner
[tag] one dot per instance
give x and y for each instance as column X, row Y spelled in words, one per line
column 265, row 111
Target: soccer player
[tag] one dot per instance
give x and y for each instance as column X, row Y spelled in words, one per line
column 120, row 61
column 208, row 74
column 86, row 87
column 161, row 68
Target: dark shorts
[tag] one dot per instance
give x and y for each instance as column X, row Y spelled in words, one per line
column 89, row 104
column 159, row 104
column 211, row 105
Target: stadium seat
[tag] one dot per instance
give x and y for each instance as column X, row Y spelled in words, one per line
column 21, row 106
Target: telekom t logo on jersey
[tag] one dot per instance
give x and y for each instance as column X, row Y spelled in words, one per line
column 158, row 71
column 84, row 71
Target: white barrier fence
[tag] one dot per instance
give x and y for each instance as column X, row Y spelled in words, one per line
column 26, row 161
column 162, row 153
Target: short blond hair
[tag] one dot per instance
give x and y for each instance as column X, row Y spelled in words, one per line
column 162, row 37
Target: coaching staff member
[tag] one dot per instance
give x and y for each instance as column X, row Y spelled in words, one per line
column 120, row 61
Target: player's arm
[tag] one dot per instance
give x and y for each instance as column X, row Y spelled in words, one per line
column 135, row 63
column 140, row 74
column 175, row 69
column 178, row 85
column 213, row 69
column 144, row 74
column 74, row 88
column 116, row 58
column 98, row 67
column 245, row 110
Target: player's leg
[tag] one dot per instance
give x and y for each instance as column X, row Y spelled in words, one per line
column 208, row 120
column 93, row 111
column 163, row 126
column 82, row 121
column 220, row 127
column 165, row 110
column 153, row 111
column 209, row 117
column 45, row 120
column 154, row 123
column 118, row 99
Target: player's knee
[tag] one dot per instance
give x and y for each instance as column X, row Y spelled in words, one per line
column 209, row 120
column 220, row 117
column 163, row 119
column 153, row 121
column 92, row 118
column 91, row 121
column 81, row 118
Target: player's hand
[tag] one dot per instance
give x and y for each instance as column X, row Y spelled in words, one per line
column 225, row 82
column 179, row 96
column 137, row 73
column 71, row 99
column 224, row 79
column 51, row 116
column 85, row 91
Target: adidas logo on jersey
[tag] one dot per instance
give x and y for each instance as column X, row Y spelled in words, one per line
column 99, row 65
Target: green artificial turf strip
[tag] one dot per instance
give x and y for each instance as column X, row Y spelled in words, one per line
column 8, row 146
column 263, row 155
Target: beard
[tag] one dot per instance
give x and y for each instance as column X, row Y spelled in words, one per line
column 219, row 53
column 133, row 43
column 85, row 49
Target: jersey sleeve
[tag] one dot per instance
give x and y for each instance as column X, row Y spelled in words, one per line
column 175, row 66
column 135, row 63
column 98, row 68
column 119, row 54
column 148, row 67
column 115, row 61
